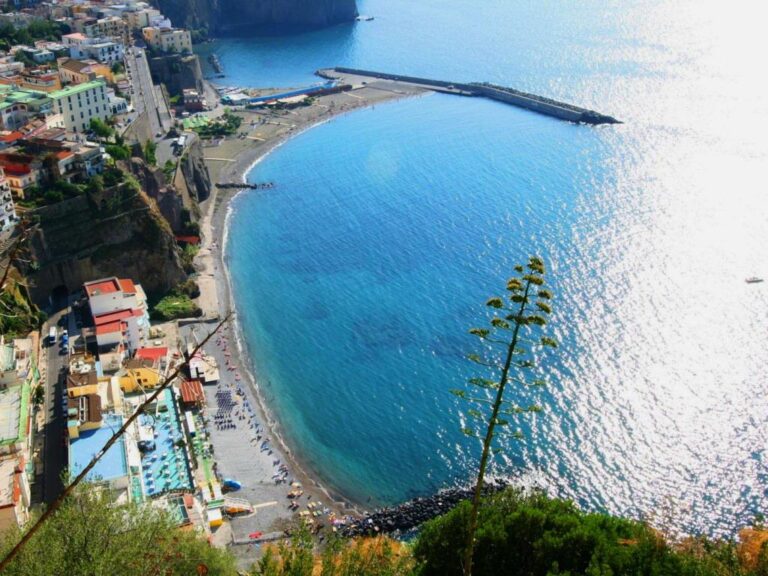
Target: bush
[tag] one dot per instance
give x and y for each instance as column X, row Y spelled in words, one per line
column 362, row 557
column 112, row 177
column 176, row 304
column 150, row 152
column 227, row 125
column 92, row 535
column 118, row 151
column 533, row 535
column 188, row 257
column 101, row 128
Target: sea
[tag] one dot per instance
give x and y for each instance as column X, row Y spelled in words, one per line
column 357, row 278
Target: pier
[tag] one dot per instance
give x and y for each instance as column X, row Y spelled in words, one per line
column 532, row 102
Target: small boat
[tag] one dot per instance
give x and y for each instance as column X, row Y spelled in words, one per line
column 753, row 280
column 364, row 18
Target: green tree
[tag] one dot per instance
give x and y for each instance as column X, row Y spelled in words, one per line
column 101, row 128
column 531, row 534
column 90, row 535
column 150, row 152
column 515, row 320
column 38, row 396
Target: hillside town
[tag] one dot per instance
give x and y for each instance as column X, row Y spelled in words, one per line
column 78, row 106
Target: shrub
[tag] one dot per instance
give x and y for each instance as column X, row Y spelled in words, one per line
column 533, row 535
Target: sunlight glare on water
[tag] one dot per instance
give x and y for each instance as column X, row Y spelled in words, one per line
column 357, row 277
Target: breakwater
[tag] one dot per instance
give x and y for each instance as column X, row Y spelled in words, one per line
column 532, row 102
column 246, row 185
column 414, row 513
column 216, row 64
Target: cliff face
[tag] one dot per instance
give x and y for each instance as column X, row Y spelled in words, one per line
column 177, row 72
column 247, row 16
column 119, row 232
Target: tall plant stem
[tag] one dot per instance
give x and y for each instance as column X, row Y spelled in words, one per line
column 470, row 544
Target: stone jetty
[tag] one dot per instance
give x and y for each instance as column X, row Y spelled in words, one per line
column 246, row 185
column 413, row 513
column 526, row 100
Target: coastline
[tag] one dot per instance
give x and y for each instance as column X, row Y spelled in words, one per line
column 217, row 298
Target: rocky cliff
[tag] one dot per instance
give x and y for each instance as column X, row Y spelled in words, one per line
column 118, row 232
column 177, row 72
column 247, row 16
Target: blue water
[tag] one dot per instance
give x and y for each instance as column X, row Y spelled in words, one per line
column 357, row 277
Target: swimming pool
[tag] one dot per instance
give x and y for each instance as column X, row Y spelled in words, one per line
column 113, row 464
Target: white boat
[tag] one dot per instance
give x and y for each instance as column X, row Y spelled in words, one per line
column 753, row 280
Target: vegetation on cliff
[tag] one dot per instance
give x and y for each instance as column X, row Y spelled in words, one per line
column 91, row 536
column 178, row 303
column 37, row 30
column 18, row 315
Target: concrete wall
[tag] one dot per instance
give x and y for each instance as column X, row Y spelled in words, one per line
column 528, row 103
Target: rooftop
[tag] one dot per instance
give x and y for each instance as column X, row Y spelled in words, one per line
column 152, row 354
column 99, row 287
column 127, row 285
column 113, row 464
column 77, row 379
column 14, row 403
column 77, row 88
column 7, row 357
column 192, row 392
column 10, row 490
column 112, row 317
column 110, row 328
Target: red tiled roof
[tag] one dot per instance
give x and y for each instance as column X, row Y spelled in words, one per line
column 15, row 169
column 63, row 154
column 101, row 287
column 192, row 391
column 110, row 328
column 127, row 285
column 152, row 353
column 10, row 136
column 188, row 239
column 109, row 317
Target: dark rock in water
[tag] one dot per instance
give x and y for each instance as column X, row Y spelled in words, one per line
column 263, row 16
column 413, row 513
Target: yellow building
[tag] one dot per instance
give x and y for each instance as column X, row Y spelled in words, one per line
column 137, row 375
column 168, row 39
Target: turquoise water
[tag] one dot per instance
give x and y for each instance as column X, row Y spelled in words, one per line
column 357, row 277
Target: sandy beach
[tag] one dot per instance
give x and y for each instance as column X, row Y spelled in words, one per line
column 257, row 461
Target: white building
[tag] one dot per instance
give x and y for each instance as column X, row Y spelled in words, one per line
column 140, row 19
column 79, row 104
column 99, row 49
column 7, row 207
column 119, row 310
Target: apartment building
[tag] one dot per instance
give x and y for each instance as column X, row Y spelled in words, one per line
column 7, row 207
column 168, row 39
column 79, row 104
